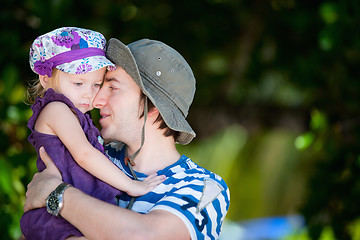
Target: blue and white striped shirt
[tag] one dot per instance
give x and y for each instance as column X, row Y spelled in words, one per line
column 197, row 196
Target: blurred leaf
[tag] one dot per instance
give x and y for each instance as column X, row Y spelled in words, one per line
column 318, row 120
column 5, row 177
column 18, row 94
column 327, row 234
column 9, row 79
column 216, row 64
column 328, row 12
column 14, row 114
column 305, row 140
column 325, row 41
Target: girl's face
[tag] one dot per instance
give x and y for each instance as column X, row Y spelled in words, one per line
column 81, row 88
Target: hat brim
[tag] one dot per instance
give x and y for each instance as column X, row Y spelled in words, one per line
column 121, row 55
column 171, row 114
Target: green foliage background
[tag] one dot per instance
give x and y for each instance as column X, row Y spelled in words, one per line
column 276, row 108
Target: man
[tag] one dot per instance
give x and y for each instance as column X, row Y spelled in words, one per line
column 143, row 105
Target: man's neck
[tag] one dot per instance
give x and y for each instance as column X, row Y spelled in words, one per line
column 155, row 155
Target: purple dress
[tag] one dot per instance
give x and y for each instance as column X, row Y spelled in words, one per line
column 38, row 223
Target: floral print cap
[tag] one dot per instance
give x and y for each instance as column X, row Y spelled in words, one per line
column 69, row 49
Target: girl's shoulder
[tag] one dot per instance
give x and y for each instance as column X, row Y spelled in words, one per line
column 52, row 104
column 56, row 109
column 52, row 113
column 49, row 97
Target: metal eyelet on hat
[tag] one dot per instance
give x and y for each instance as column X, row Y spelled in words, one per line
column 158, row 73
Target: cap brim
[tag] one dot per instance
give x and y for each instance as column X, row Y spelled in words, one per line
column 85, row 65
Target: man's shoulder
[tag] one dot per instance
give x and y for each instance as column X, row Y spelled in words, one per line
column 193, row 172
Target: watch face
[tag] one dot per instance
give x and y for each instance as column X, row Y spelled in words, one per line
column 53, row 203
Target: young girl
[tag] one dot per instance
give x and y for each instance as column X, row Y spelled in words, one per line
column 71, row 65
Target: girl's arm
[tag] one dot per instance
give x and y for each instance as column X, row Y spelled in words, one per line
column 59, row 118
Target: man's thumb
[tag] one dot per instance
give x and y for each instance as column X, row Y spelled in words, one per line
column 45, row 158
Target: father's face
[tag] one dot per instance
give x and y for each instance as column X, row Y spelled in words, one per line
column 118, row 101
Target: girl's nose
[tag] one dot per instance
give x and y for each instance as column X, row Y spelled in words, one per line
column 90, row 92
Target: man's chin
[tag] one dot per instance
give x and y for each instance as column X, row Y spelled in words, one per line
column 105, row 136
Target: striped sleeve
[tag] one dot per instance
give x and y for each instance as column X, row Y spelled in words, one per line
column 201, row 201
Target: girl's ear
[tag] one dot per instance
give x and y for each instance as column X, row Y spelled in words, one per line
column 44, row 79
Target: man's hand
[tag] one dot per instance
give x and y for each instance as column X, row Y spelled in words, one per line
column 42, row 184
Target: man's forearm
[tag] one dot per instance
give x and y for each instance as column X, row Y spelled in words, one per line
column 100, row 220
column 97, row 219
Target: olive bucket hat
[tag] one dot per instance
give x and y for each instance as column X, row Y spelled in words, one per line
column 163, row 75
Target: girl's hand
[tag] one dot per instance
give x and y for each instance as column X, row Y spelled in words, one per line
column 139, row 188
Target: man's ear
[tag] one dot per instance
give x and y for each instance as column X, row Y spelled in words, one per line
column 44, row 80
column 153, row 112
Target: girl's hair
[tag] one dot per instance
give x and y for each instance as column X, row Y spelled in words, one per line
column 36, row 90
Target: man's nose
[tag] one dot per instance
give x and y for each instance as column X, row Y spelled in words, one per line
column 99, row 100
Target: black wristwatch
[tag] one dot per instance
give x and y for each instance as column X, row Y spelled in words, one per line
column 54, row 202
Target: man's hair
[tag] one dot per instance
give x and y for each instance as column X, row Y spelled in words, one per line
column 168, row 131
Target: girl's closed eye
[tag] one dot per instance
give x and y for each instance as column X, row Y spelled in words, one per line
column 78, row 83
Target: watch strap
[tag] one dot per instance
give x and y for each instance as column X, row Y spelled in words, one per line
column 54, row 202
column 61, row 188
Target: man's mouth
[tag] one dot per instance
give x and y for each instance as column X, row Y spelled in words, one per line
column 103, row 115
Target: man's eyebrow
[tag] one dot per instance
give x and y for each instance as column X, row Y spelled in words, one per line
column 111, row 80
